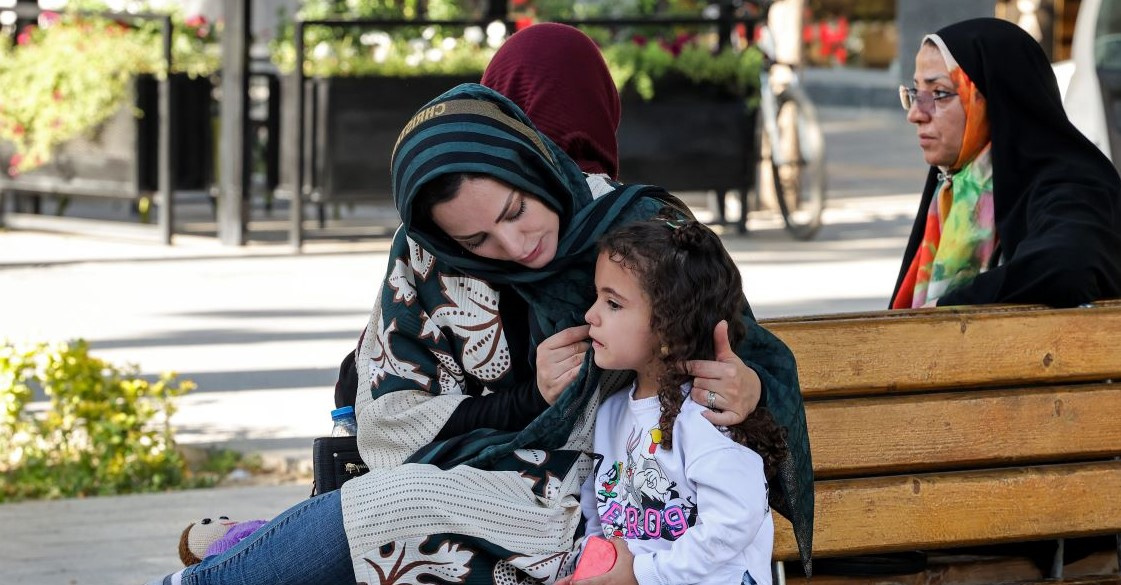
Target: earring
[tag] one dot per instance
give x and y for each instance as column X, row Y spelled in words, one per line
column 665, row 350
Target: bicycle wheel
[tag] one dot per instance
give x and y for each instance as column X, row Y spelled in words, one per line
column 798, row 164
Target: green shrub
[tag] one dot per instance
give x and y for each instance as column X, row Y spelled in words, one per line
column 105, row 431
column 641, row 66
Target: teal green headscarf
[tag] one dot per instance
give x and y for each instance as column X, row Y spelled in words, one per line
column 473, row 129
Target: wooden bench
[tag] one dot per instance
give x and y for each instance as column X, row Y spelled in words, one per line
column 941, row 428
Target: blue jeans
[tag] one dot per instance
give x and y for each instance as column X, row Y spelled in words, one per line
column 306, row 545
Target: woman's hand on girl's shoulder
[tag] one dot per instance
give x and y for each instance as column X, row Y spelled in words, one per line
column 559, row 359
column 729, row 388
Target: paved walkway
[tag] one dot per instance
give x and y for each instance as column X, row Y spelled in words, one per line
column 261, row 330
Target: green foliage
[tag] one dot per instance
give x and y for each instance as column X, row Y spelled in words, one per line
column 435, row 50
column 63, row 80
column 106, row 430
column 396, row 52
column 854, row 9
column 641, row 67
column 569, row 9
column 432, row 52
column 333, row 52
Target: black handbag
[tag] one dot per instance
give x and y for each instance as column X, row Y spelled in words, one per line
column 334, row 461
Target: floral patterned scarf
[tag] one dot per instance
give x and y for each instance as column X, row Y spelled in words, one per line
column 960, row 235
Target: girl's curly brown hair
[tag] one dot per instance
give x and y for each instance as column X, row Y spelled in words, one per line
column 692, row 284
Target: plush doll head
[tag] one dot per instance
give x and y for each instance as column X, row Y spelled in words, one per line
column 211, row 536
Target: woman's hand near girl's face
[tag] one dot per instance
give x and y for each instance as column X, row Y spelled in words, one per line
column 736, row 387
column 559, row 359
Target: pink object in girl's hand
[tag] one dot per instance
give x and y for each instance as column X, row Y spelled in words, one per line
column 598, row 558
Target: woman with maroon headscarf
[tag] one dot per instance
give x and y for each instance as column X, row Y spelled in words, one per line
column 558, row 77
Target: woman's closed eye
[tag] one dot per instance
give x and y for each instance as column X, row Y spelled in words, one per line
column 513, row 215
column 517, row 212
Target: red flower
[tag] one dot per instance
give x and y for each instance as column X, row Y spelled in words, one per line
column 18, row 130
column 520, row 2
column 639, row 40
column 523, row 22
column 678, row 44
column 57, row 95
column 48, row 18
column 24, row 37
column 13, row 164
column 195, row 21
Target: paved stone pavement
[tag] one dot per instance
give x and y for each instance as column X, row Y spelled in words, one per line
column 261, row 330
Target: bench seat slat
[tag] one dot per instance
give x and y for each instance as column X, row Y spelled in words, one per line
column 964, row 430
column 930, row 511
column 915, row 350
column 1097, row 569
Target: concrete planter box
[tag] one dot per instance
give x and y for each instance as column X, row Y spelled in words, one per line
column 688, row 138
column 689, row 143
column 350, row 127
column 120, row 158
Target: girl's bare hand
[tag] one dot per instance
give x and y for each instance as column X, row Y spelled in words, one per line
column 622, row 573
column 559, row 359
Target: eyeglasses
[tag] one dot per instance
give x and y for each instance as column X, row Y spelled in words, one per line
column 925, row 100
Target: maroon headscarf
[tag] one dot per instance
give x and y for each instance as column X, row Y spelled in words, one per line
column 557, row 76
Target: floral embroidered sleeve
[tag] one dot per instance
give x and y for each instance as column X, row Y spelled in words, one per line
column 431, row 330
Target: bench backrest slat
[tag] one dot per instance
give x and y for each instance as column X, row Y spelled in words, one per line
column 963, row 430
column 913, row 350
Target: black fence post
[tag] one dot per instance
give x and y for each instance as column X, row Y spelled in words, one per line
column 234, row 154
column 167, row 143
column 497, row 9
column 724, row 29
column 295, row 228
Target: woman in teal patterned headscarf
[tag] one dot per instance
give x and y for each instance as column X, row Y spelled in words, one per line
column 447, row 326
column 475, row 467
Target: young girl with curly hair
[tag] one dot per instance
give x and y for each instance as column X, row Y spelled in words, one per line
column 690, row 500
